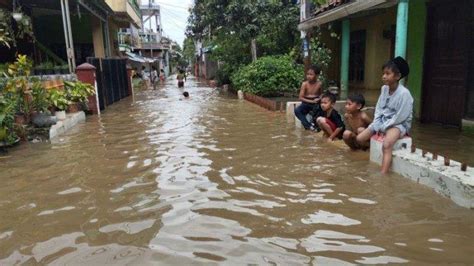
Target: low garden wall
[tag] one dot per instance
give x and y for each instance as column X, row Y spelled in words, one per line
column 266, row 103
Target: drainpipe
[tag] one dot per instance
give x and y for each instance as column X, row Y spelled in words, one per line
column 346, row 34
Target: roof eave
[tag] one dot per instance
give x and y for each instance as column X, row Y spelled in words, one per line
column 341, row 12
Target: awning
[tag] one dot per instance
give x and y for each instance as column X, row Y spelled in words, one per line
column 343, row 11
column 139, row 58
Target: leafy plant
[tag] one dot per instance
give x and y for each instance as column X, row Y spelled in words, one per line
column 58, row 99
column 40, row 97
column 10, row 30
column 78, row 92
column 321, row 55
column 269, row 76
column 7, row 117
column 6, row 31
column 18, row 84
column 229, row 26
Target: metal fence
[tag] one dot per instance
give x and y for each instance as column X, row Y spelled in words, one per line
column 111, row 76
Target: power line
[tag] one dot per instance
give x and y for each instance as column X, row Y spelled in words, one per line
column 175, row 6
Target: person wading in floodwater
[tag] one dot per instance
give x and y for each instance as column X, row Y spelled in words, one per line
column 310, row 94
column 180, row 78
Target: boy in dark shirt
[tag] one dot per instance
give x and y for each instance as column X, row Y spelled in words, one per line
column 330, row 122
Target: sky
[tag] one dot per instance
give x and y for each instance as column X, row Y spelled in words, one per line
column 174, row 16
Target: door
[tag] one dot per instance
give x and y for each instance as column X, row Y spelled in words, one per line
column 446, row 62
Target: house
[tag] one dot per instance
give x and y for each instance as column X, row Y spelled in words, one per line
column 146, row 46
column 435, row 37
column 69, row 31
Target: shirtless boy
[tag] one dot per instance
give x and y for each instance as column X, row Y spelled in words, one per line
column 310, row 94
column 356, row 120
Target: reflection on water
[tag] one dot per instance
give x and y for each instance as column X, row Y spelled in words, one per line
column 212, row 179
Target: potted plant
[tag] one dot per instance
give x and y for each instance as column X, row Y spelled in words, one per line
column 41, row 115
column 78, row 93
column 60, row 102
column 18, row 87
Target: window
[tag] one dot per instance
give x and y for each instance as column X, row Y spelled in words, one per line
column 357, row 56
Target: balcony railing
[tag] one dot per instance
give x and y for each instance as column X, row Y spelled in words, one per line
column 150, row 7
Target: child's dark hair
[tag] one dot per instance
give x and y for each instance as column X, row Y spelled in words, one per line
column 186, row 94
column 392, row 66
column 398, row 65
column 330, row 96
column 316, row 69
column 357, row 98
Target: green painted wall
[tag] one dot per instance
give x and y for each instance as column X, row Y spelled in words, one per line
column 416, row 49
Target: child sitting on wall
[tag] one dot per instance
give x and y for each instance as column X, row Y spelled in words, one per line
column 393, row 112
column 330, row 122
column 310, row 93
column 356, row 119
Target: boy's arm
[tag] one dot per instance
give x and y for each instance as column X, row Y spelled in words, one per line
column 337, row 119
column 378, row 110
column 366, row 119
column 335, row 133
column 405, row 109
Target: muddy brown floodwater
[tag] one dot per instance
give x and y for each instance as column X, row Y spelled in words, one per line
column 214, row 180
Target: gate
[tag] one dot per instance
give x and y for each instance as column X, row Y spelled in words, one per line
column 111, row 76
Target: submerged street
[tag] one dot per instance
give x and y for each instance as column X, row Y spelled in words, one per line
column 213, row 179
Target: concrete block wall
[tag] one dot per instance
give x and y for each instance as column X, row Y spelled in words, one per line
column 376, row 144
column 449, row 181
column 72, row 119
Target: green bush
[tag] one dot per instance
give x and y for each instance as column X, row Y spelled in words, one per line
column 269, row 76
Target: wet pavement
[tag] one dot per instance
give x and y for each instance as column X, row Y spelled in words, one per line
column 211, row 179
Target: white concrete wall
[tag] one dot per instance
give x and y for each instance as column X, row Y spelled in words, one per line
column 448, row 181
column 72, row 119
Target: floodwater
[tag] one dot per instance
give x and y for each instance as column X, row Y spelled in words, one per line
column 214, row 180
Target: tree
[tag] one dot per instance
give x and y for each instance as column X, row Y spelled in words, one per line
column 189, row 50
column 229, row 26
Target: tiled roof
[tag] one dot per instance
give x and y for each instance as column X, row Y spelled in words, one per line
column 331, row 4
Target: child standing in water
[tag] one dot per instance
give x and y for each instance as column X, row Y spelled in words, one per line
column 310, row 93
column 393, row 112
column 180, row 78
column 356, row 119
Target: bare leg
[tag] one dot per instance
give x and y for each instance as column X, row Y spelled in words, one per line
column 350, row 139
column 363, row 138
column 324, row 126
column 392, row 135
